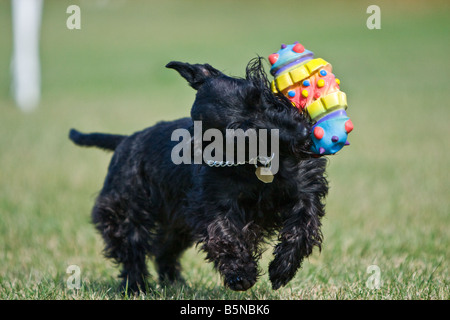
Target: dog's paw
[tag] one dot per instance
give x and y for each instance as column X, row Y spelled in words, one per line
column 279, row 274
column 239, row 283
column 278, row 283
column 133, row 288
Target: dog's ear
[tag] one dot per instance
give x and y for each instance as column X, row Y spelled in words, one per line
column 195, row 74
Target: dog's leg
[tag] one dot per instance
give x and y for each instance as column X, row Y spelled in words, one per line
column 301, row 227
column 125, row 242
column 300, row 233
column 134, row 271
column 234, row 251
column 168, row 247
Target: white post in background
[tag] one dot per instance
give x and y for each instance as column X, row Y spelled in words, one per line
column 25, row 66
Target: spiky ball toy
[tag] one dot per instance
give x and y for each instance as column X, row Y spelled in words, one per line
column 312, row 88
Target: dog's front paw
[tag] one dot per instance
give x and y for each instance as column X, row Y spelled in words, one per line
column 280, row 273
column 239, row 283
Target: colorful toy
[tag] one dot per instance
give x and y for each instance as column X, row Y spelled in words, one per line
column 313, row 89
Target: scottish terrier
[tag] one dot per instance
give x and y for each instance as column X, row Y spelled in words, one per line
column 151, row 207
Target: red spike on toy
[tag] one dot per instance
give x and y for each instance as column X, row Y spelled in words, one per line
column 318, row 133
column 298, row 48
column 348, row 126
column 273, row 58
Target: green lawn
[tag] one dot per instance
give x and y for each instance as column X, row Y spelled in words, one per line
column 389, row 199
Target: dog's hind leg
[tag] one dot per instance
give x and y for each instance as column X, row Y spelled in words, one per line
column 167, row 248
column 126, row 242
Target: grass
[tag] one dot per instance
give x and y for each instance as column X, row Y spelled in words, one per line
column 389, row 200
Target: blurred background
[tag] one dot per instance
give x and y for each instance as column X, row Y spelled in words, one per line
column 389, row 199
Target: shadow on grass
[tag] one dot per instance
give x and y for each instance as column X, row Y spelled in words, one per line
column 112, row 290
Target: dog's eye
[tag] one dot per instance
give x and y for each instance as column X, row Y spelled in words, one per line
column 318, row 133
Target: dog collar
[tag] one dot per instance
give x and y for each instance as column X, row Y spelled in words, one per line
column 263, row 173
column 265, row 161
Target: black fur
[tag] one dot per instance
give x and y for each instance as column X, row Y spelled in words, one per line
column 150, row 207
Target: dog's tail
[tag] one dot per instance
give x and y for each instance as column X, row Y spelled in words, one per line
column 104, row 141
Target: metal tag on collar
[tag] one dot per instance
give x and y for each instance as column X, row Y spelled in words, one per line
column 264, row 174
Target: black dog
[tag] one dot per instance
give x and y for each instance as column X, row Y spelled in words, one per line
column 150, row 206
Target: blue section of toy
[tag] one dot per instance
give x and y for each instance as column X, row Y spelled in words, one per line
column 287, row 55
column 329, row 134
